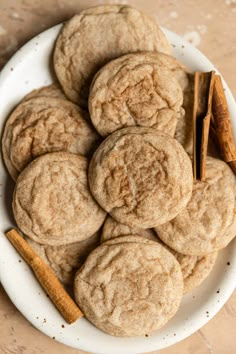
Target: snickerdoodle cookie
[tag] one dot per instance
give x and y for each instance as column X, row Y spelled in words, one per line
column 66, row 260
column 52, row 203
column 137, row 90
column 209, row 221
column 53, row 91
column 97, row 35
column 195, row 269
column 141, row 176
column 45, row 124
column 152, row 280
column 113, row 229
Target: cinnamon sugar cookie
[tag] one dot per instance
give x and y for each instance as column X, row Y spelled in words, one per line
column 136, row 90
column 53, row 91
column 209, row 221
column 97, row 35
column 52, row 203
column 66, row 260
column 141, row 177
column 45, row 124
column 113, row 229
column 195, row 269
column 152, row 280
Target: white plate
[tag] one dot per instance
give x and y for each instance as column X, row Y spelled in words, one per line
column 31, row 68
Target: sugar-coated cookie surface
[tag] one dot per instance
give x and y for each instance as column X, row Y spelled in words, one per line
column 195, row 269
column 52, row 203
column 66, row 260
column 152, row 280
column 209, row 221
column 137, row 90
column 141, row 177
column 53, row 91
column 81, row 48
column 45, row 124
column 113, row 229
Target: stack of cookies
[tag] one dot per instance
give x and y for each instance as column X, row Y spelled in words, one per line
column 104, row 156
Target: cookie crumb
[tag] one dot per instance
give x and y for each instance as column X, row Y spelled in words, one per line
column 53, row 338
column 228, row 263
column 218, row 291
column 146, row 335
column 19, row 261
column 62, row 326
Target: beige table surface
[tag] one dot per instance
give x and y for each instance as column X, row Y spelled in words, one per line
column 211, row 26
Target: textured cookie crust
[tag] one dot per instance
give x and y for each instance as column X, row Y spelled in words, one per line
column 209, row 221
column 96, row 36
column 52, row 203
column 153, row 285
column 44, row 124
column 132, row 238
column 195, row 269
column 141, row 177
column 66, row 260
column 53, row 91
column 113, row 229
column 136, row 90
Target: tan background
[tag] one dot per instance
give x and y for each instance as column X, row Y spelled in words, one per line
column 208, row 24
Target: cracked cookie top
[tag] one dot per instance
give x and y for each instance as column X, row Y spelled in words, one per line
column 209, row 221
column 137, row 90
column 81, row 48
column 44, row 124
column 113, row 229
column 52, row 203
column 152, row 280
column 141, row 177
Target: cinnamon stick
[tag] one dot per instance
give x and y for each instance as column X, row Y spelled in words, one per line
column 203, row 92
column 47, row 278
column 221, row 124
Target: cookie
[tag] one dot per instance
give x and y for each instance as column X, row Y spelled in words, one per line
column 152, row 280
column 65, row 260
column 81, row 48
column 132, row 238
column 195, row 269
column 141, row 177
column 208, row 223
column 53, row 91
column 112, row 229
column 52, row 203
column 136, row 90
column 45, row 124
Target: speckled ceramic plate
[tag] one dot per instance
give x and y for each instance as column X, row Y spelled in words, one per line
column 30, row 68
